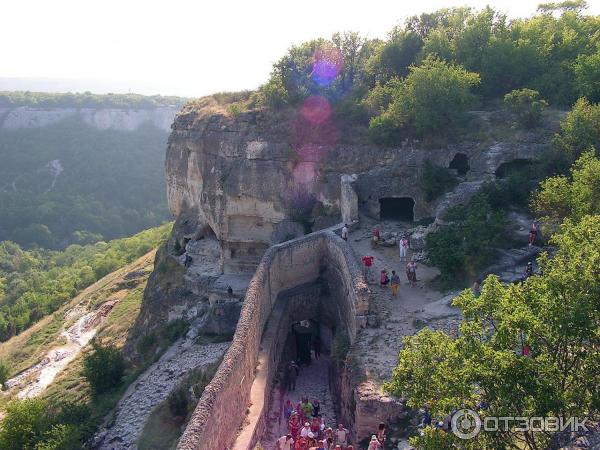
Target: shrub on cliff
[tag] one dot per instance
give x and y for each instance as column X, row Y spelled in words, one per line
column 580, row 129
column 103, row 368
column 469, row 241
column 527, row 105
column 4, row 371
column 432, row 99
column 571, row 197
column 42, row 425
column 435, row 180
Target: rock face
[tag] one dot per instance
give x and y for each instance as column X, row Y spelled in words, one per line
column 100, row 118
column 253, row 181
column 240, row 184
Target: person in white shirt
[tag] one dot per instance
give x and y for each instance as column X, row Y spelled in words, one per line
column 305, row 430
column 341, row 436
column 285, row 442
column 345, row 232
column 403, row 244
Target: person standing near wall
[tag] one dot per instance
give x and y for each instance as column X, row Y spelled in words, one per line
column 345, row 232
column 291, row 374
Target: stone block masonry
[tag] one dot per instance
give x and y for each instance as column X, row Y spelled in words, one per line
column 226, row 400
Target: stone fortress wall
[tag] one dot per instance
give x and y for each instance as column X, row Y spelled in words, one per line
column 225, row 402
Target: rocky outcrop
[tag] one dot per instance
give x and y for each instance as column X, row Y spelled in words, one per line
column 99, row 118
column 253, row 181
column 152, row 388
column 252, row 184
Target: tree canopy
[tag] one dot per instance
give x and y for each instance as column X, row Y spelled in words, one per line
column 556, row 315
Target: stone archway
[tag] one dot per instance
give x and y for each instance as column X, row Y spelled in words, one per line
column 397, row 208
column 460, row 163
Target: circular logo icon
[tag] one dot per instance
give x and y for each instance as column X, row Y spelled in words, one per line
column 466, row 423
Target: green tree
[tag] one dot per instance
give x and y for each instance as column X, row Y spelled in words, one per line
column 572, row 197
column 103, row 368
column 4, row 372
column 435, row 180
column 24, row 425
column 587, row 75
column 469, row 240
column 394, row 57
column 527, row 105
column 433, row 98
column 60, row 437
column 580, row 129
column 556, row 314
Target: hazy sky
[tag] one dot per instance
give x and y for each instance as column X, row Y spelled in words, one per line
column 185, row 47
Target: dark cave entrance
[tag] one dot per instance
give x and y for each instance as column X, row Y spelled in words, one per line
column 397, row 208
column 305, row 335
column 515, row 166
column 460, row 163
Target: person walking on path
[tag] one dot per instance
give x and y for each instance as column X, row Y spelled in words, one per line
column 341, row 436
column 394, row 283
column 533, row 233
column 345, row 232
column 382, row 434
column 294, row 426
column 285, row 442
column 368, row 265
column 291, row 375
column 187, row 261
column 317, row 347
column 528, row 270
column 374, row 444
column 411, row 273
column 403, row 244
column 384, row 279
column 376, row 237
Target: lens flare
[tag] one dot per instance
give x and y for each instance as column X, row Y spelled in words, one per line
column 328, row 63
column 316, row 109
column 305, row 172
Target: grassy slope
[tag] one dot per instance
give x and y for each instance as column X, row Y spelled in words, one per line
column 30, row 346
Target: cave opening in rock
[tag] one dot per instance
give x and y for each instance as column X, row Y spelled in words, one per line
column 460, row 163
column 397, row 208
column 306, row 336
column 513, row 167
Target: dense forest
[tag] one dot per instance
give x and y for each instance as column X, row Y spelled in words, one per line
column 86, row 100
column 430, row 71
column 34, row 283
column 71, row 183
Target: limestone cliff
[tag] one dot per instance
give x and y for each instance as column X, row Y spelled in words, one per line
column 252, row 180
column 126, row 119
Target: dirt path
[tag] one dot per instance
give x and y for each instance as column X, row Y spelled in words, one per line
column 313, row 382
column 413, row 309
column 153, row 387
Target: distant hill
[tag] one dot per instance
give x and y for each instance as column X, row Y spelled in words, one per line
column 78, row 168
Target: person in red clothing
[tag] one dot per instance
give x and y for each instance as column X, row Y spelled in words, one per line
column 294, row 426
column 384, row 279
column 368, row 265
